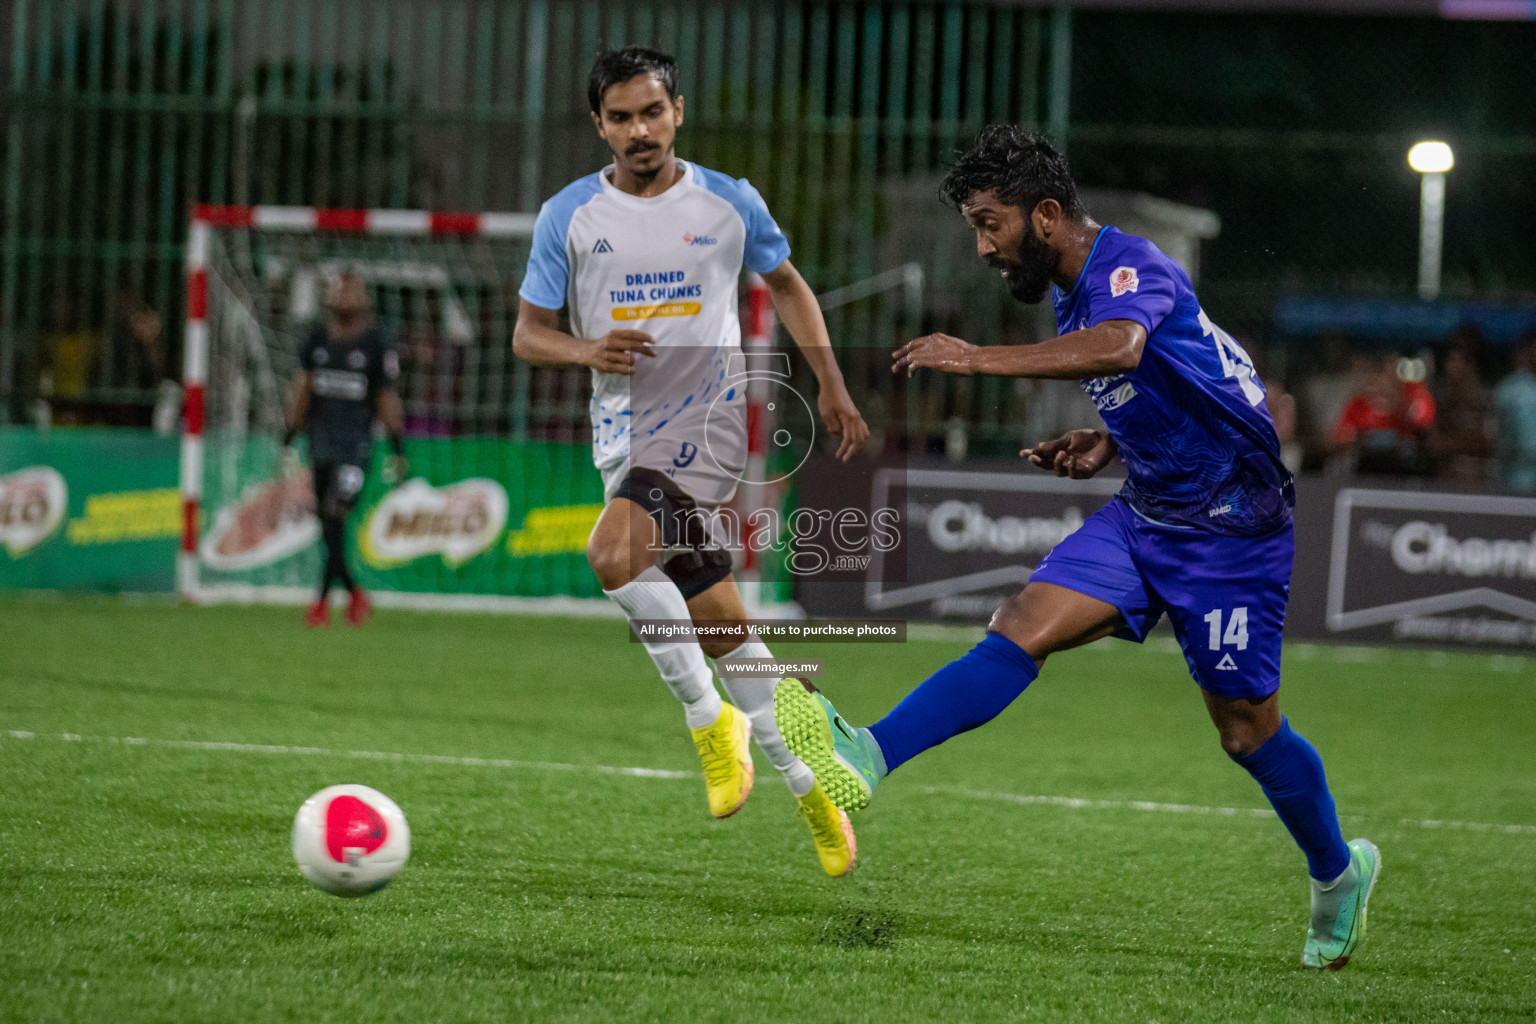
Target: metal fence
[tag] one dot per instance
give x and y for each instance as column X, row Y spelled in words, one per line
column 119, row 115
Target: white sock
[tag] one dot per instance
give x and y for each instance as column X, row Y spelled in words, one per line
column 754, row 695
column 651, row 595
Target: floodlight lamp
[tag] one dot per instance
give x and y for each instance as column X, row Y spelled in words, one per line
column 1431, row 158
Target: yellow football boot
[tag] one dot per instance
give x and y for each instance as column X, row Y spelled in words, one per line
column 830, row 831
column 726, row 759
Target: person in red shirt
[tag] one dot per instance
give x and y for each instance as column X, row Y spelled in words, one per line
column 1385, row 421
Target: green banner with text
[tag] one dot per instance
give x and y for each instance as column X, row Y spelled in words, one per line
column 88, row 509
column 99, row 509
column 478, row 516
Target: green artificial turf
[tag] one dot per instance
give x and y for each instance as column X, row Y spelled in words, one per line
column 152, row 881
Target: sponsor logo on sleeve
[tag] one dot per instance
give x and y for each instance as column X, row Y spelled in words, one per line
column 32, row 503
column 1123, row 280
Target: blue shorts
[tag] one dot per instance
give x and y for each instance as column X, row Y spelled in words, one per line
column 1224, row 595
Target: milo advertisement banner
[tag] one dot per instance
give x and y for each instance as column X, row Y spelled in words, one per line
column 88, row 509
column 480, row 516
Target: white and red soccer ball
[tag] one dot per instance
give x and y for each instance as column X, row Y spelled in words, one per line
column 350, row 840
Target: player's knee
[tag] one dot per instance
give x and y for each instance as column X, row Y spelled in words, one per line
column 719, row 648
column 610, row 561
column 1234, row 743
column 1012, row 620
column 1241, row 737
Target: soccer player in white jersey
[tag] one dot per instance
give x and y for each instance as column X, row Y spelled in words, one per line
column 645, row 257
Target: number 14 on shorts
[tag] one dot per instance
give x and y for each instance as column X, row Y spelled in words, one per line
column 1236, row 633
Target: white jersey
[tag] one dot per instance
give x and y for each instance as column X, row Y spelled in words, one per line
column 667, row 265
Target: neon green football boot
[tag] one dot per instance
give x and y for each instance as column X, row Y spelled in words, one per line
column 836, row 847
column 1338, row 915
column 726, row 760
column 845, row 760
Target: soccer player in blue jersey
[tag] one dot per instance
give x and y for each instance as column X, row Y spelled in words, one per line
column 1201, row 531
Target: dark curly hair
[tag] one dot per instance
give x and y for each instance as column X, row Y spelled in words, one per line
column 1016, row 164
column 616, row 66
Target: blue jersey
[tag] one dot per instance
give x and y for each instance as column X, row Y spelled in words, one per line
column 1197, row 440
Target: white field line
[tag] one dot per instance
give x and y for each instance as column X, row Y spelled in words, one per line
column 1075, row 803
column 364, row 755
column 1230, row 812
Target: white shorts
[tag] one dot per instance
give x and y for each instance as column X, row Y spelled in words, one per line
column 705, row 458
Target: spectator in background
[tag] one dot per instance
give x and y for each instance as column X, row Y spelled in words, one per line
column 1325, row 390
column 69, row 351
column 1516, row 402
column 1461, row 441
column 136, row 339
column 1385, row 422
column 1469, row 340
column 433, row 380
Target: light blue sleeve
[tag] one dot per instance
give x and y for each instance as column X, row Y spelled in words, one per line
column 766, row 247
column 549, row 270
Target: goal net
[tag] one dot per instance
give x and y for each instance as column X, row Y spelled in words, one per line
column 502, row 493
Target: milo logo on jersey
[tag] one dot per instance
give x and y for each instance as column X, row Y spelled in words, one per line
column 456, row 522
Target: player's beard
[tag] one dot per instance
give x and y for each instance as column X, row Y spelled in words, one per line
column 646, row 175
column 1029, row 274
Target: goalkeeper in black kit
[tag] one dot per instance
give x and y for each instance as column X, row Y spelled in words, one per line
column 346, row 380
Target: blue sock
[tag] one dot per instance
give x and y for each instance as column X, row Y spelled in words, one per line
column 959, row 696
column 1291, row 773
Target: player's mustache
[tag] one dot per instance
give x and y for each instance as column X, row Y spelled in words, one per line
column 640, row 147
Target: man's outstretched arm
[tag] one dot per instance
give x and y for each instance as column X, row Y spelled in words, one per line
column 1103, row 350
column 796, row 305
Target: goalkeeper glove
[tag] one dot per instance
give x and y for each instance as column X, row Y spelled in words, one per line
column 395, row 469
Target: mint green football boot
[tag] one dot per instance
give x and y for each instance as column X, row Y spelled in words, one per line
column 845, row 760
column 1338, row 914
